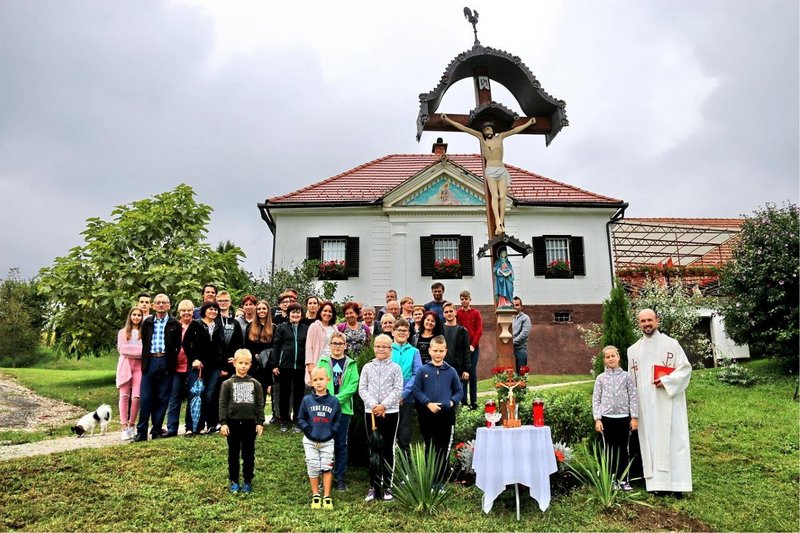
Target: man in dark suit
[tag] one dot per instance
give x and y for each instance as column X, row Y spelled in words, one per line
column 161, row 342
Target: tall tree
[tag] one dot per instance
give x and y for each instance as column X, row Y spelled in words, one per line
column 618, row 326
column 155, row 245
column 22, row 312
column 761, row 283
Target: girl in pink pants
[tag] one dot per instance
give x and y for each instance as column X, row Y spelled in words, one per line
column 129, row 371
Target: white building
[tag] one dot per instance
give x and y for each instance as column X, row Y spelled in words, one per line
column 392, row 218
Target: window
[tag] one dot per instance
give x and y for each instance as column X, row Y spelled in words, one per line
column 446, row 249
column 562, row 316
column 556, row 249
column 549, row 248
column 335, row 248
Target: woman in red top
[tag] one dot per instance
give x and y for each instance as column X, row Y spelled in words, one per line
column 178, row 394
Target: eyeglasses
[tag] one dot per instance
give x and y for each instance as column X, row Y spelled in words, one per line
column 401, row 330
column 337, row 344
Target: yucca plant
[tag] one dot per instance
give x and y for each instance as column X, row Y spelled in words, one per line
column 597, row 473
column 415, row 485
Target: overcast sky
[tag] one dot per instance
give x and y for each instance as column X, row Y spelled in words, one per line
column 679, row 107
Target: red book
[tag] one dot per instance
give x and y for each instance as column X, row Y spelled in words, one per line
column 660, row 371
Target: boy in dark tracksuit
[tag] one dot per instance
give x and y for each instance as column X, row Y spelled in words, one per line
column 241, row 415
column 319, row 419
column 437, row 391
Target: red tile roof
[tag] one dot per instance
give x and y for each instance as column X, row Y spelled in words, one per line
column 370, row 182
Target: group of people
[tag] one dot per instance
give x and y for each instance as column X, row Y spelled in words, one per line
column 303, row 360
column 649, row 402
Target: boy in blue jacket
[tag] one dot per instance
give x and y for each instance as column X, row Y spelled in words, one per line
column 437, row 391
column 409, row 360
column 319, row 420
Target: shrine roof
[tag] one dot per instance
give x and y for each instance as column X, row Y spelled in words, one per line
column 369, row 183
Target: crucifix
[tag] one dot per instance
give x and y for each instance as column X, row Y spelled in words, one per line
column 491, row 123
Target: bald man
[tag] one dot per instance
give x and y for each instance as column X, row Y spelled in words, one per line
column 663, row 422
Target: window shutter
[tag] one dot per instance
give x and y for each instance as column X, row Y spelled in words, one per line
column 426, row 255
column 539, row 257
column 465, row 255
column 578, row 262
column 351, row 257
column 313, row 248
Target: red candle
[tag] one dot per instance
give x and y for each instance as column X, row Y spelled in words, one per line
column 538, row 412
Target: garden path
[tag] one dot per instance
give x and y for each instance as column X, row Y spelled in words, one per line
column 23, row 410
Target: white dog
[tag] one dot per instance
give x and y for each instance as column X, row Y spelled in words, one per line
column 88, row 421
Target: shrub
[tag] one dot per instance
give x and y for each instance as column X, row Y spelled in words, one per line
column 569, row 416
column 619, row 328
column 763, row 283
column 735, row 374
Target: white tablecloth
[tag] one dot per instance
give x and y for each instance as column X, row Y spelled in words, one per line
column 504, row 456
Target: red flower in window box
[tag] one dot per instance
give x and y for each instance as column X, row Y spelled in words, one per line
column 447, row 268
column 559, row 266
column 332, row 269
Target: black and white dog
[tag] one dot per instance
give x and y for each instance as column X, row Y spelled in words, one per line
column 88, row 421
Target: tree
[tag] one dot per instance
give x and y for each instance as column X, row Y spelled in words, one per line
column 618, row 329
column 761, row 283
column 677, row 315
column 21, row 320
column 302, row 278
column 156, row 245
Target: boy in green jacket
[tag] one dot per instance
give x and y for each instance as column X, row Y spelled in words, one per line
column 343, row 374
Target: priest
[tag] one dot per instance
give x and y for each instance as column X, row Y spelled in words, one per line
column 661, row 373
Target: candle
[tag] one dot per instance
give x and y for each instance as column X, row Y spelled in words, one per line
column 538, row 412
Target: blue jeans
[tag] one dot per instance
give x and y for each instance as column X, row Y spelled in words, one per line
column 340, row 448
column 473, row 379
column 520, row 356
column 210, row 379
column 154, row 397
column 176, row 398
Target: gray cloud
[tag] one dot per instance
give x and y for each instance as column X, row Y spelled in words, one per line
column 680, row 108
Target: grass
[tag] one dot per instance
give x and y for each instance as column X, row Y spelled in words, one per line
column 537, row 379
column 745, row 457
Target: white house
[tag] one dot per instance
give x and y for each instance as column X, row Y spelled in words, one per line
column 392, row 218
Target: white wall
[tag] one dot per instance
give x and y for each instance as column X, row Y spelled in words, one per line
column 390, row 255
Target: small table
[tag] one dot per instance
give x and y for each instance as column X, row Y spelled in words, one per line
column 514, row 455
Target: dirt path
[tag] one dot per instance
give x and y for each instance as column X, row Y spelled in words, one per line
column 23, row 410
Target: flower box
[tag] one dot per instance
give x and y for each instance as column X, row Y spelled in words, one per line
column 559, row 268
column 332, row 270
column 447, row 269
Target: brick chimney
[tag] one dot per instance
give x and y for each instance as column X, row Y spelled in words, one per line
column 439, row 147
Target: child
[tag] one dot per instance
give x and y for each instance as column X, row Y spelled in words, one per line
column 241, row 415
column 381, row 387
column 318, row 419
column 437, row 391
column 343, row 375
column 615, row 408
column 408, row 357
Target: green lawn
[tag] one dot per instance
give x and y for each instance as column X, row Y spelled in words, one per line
column 744, row 451
column 537, row 379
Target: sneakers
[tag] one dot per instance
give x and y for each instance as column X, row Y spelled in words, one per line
column 213, row 430
column 387, row 495
column 473, row 407
column 626, row 486
column 234, row 487
column 327, row 502
column 341, row 486
column 247, row 488
column 297, row 429
column 284, row 428
column 125, row 435
column 370, row 495
column 188, row 433
column 316, row 502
